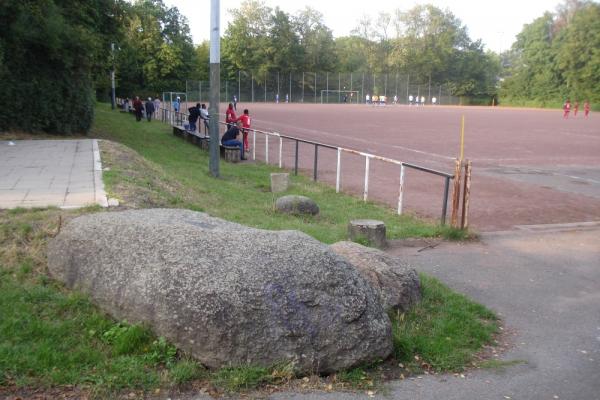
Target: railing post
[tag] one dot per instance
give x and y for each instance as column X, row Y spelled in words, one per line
column 296, row 159
column 366, row 191
column 316, row 162
column 445, row 200
column 280, row 152
column 401, row 190
column 338, row 170
column 267, row 149
column 464, row 223
column 254, row 144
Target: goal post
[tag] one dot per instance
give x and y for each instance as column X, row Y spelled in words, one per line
column 351, row 96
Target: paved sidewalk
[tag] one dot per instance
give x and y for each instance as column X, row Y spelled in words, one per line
column 41, row 173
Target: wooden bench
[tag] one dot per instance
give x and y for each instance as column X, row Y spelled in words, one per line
column 231, row 154
column 178, row 130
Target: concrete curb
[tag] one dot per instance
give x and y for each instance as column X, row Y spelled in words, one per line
column 99, row 193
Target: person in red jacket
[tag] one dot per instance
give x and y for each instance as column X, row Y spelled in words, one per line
column 246, row 122
column 138, row 107
column 230, row 116
column 586, row 108
column 566, row 108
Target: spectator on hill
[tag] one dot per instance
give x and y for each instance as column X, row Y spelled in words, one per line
column 204, row 117
column 586, row 108
column 246, row 122
column 194, row 114
column 230, row 138
column 230, row 116
column 138, row 108
column 156, row 106
column 149, row 109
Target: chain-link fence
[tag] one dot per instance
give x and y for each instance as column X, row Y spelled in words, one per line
column 323, row 87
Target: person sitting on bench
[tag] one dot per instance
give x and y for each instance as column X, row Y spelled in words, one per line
column 230, row 138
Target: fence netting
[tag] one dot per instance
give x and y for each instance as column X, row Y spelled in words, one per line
column 325, row 87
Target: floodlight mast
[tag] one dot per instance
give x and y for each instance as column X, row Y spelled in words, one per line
column 215, row 87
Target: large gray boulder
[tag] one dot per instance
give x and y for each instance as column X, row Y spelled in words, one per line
column 296, row 205
column 397, row 283
column 225, row 293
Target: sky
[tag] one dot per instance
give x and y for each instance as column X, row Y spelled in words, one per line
column 495, row 22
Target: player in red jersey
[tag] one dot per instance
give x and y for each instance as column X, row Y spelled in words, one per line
column 566, row 108
column 246, row 122
column 230, row 116
column 586, row 108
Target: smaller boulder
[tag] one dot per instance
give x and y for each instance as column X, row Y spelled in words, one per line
column 297, row 205
column 398, row 284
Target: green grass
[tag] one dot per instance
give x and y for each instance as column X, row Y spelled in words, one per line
column 242, row 193
column 444, row 330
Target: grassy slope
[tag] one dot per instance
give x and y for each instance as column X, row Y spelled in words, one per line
column 242, row 193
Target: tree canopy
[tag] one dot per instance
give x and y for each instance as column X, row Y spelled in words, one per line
column 555, row 57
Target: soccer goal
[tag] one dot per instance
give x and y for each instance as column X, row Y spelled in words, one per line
column 339, row 96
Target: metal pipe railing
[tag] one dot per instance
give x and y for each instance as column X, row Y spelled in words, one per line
column 178, row 118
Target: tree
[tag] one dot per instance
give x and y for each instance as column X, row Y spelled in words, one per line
column 156, row 52
column 245, row 39
column 51, row 53
column 317, row 41
column 578, row 56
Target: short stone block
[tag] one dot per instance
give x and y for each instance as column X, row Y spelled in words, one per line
column 368, row 232
column 280, row 182
column 231, row 154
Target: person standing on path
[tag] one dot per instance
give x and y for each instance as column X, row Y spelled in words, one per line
column 235, row 101
column 246, row 122
column 575, row 108
column 138, row 108
column 230, row 116
column 194, row 114
column 204, row 117
column 149, row 109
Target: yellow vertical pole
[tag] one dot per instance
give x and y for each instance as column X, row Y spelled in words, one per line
column 462, row 138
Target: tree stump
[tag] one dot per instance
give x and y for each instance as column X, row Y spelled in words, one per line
column 368, row 232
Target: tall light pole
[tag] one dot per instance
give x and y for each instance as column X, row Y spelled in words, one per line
column 112, row 77
column 215, row 87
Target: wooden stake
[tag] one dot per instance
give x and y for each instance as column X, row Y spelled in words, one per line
column 464, row 224
column 456, row 194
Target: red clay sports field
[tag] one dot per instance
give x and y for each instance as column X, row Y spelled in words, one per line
column 529, row 166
